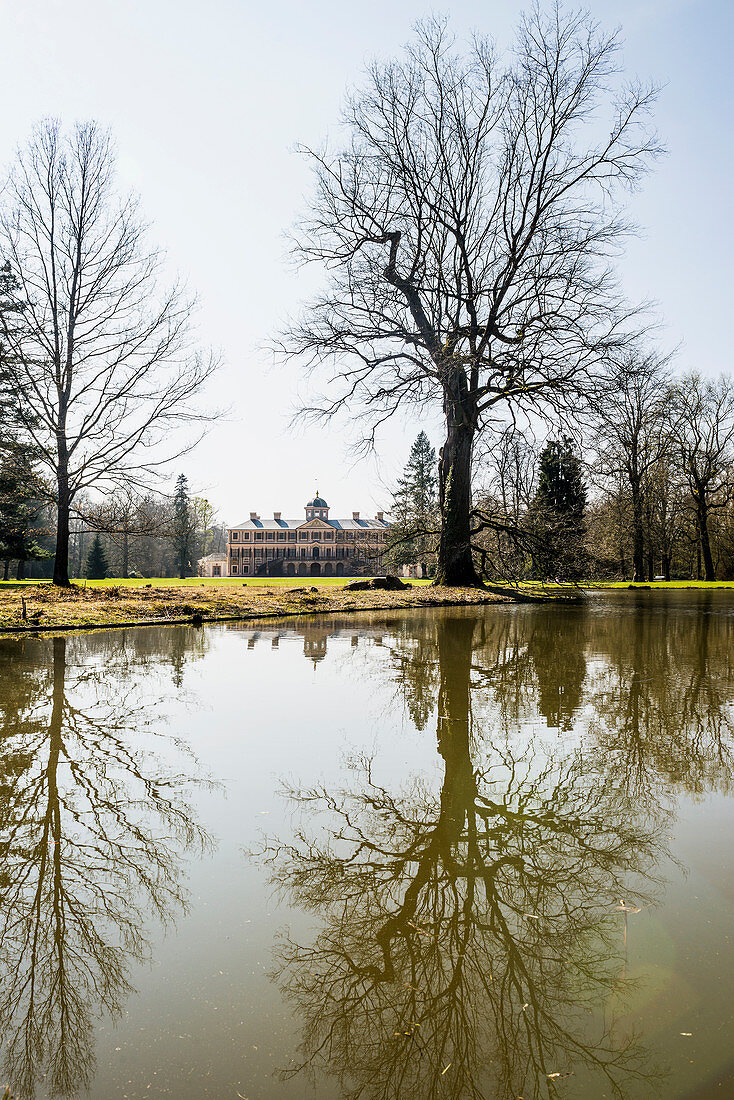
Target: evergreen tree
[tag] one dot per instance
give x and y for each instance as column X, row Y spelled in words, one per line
column 20, row 487
column 19, row 511
column 414, row 510
column 97, row 565
column 183, row 526
column 558, row 512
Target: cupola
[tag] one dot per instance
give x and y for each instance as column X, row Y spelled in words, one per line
column 317, row 508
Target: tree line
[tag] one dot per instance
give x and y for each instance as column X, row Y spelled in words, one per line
column 128, row 534
column 642, row 489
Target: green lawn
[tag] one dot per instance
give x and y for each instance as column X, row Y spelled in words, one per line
column 330, row 582
column 174, row 582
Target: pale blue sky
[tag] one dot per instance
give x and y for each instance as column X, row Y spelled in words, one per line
column 207, row 100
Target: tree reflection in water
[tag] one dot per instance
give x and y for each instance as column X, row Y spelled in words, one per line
column 92, row 829
column 467, row 935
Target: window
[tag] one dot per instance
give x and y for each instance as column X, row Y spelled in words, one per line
column 234, row 569
column 291, row 536
column 270, row 536
column 281, row 536
column 246, row 536
column 235, row 536
column 258, row 536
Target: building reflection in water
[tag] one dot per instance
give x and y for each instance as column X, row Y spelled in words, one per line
column 473, row 935
column 93, row 829
column 315, row 636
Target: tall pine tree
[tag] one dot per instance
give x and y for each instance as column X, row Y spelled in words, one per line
column 415, row 526
column 558, row 513
column 97, row 564
column 183, row 525
column 20, row 487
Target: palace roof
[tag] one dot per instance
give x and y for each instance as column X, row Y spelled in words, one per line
column 293, row 524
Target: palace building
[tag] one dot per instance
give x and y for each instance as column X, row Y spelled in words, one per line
column 314, row 546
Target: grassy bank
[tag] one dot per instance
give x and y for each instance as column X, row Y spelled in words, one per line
column 29, row 607
column 660, row 584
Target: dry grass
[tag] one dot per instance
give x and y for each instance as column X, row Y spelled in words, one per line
column 49, row 608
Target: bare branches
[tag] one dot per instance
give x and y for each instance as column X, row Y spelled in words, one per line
column 105, row 367
column 466, row 216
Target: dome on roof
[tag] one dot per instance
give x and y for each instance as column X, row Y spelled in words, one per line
column 317, row 502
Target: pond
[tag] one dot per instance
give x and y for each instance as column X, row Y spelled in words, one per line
column 478, row 853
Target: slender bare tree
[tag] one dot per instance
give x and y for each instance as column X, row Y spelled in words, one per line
column 468, row 226
column 632, row 435
column 104, row 366
column 705, row 441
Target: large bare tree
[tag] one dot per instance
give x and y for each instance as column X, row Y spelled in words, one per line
column 103, row 366
column 468, row 225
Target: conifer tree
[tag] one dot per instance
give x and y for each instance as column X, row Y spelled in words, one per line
column 558, row 512
column 97, row 564
column 183, row 526
column 20, row 487
column 414, row 510
column 19, row 511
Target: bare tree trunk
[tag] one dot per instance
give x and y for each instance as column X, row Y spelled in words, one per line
column 20, row 571
column 6, row 569
column 455, row 564
column 638, row 538
column 63, row 509
column 80, row 553
column 125, row 554
column 705, row 542
column 666, row 566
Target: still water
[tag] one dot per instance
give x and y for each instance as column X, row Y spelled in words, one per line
column 460, row 853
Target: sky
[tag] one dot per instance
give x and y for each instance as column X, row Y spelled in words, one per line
column 207, row 102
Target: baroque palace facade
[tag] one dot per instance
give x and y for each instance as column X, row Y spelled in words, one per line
column 314, row 546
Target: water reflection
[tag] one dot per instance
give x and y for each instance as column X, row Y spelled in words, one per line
column 92, row 830
column 472, row 936
column 464, row 931
column 463, row 885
